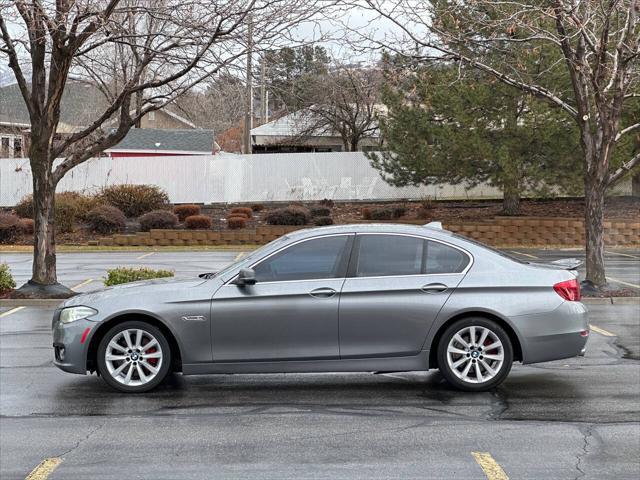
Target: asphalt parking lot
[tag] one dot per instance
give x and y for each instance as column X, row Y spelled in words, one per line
column 571, row 419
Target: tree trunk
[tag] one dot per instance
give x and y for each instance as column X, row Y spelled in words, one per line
column 44, row 243
column 44, row 282
column 594, row 193
column 511, row 198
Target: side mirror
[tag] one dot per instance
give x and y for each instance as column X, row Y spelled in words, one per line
column 246, row 276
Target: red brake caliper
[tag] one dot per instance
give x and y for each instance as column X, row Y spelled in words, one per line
column 487, row 342
column 152, row 361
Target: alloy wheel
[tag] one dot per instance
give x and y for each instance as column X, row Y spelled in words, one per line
column 475, row 354
column 133, row 357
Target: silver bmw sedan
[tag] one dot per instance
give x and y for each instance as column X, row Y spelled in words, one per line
column 349, row 298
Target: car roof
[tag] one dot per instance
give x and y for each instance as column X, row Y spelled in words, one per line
column 421, row 230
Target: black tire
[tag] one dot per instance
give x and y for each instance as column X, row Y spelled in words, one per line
column 448, row 372
column 165, row 364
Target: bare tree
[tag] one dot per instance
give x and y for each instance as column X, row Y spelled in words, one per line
column 597, row 43
column 343, row 102
column 141, row 54
column 220, row 105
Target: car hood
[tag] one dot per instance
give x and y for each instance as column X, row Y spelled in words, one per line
column 167, row 287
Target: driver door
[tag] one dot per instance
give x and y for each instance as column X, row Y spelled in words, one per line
column 291, row 313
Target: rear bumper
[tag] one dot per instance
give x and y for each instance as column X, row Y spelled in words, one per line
column 554, row 335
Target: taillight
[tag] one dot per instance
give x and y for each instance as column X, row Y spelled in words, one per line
column 569, row 290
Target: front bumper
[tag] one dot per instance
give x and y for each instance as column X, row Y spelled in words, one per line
column 553, row 335
column 70, row 353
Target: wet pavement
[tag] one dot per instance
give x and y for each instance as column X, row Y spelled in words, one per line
column 570, row 419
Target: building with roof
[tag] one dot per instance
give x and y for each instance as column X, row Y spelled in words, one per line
column 79, row 105
column 148, row 142
column 294, row 133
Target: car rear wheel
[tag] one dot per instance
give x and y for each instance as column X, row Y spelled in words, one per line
column 134, row 357
column 475, row 354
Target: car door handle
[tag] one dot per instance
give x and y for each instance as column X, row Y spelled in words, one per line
column 323, row 292
column 434, row 288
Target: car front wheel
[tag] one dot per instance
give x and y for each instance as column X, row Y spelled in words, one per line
column 134, row 357
column 475, row 354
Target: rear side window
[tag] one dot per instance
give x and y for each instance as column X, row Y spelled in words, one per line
column 384, row 255
column 388, row 255
column 444, row 259
column 313, row 259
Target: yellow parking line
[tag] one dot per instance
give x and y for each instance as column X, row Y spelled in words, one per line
column 602, row 331
column 82, row 284
column 44, row 469
column 525, row 254
column 145, row 255
column 240, row 255
column 9, row 312
column 489, row 466
column 635, row 285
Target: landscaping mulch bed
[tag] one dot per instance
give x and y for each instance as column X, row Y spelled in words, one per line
column 444, row 211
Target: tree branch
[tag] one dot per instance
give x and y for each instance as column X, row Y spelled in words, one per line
column 621, row 172
column 15, row 65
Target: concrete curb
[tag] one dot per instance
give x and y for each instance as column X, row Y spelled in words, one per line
column 52, row 303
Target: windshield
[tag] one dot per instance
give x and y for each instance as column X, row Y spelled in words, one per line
column 253, row 255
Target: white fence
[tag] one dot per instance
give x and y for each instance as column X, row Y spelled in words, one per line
column 238, row 178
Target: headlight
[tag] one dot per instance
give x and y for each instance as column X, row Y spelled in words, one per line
column 71, row 314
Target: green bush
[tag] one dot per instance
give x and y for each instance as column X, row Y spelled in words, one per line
column 6, row 280
column 134, row 200
column 322, row 221
column 119, row 275
column 288, row 216
column 9, row 227
column 106, row 219
column 157, row 219
column 184, row 211
column 198, row 222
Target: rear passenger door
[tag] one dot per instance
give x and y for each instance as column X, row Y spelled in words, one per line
column 395, row 288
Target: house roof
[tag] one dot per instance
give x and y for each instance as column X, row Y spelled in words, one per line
column 287, row 126
column 190, row 140
column 80, row 102
column 291, row 125
column 80, row 106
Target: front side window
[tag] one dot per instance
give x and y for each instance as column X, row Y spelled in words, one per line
column 312, row 259
column 385, row 255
